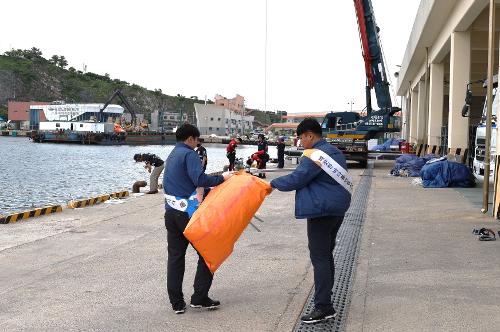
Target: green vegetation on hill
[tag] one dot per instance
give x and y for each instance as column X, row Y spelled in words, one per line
column 264, row 118
column 27, row 76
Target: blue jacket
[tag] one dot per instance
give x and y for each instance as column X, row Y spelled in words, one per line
column 183, row 173
column 317, row 193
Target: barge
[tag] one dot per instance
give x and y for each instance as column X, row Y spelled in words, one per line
column 87, row 124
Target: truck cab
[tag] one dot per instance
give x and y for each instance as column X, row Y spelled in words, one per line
column 480, row 141
column 480, row 132
column 339, row 129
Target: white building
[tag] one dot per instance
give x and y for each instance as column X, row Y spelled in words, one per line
column 212, row 119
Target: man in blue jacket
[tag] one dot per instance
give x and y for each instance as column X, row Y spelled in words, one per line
column 323, row 201
column 183, row 174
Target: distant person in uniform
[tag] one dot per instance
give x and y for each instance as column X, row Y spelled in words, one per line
column 231, row 152
column 323, row 201
column 183, row 175
column 281, row 152
column 151, row 160
column 202, row 153
column 262, row 148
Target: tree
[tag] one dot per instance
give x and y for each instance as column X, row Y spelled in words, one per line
column 62, row 62
column 32, row 53
column 15, row 53
column 54, row 60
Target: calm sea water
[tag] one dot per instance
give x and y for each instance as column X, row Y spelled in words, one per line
column 34, row 174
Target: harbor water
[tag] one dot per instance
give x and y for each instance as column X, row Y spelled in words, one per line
column 35, row 174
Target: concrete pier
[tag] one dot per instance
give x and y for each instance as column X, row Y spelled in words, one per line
column 103, row 268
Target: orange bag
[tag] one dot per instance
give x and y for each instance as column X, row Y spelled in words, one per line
column 223, row 215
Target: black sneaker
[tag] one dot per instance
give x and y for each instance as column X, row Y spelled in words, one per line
column 180, row 309
column 208, row 303
column 318, row 315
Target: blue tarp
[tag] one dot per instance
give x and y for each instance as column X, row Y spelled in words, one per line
column 386, row 146
column 444, row 173
column 410, row 164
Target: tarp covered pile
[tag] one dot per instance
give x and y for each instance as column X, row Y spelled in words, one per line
column 444, row 173
column 435, row 172
column 386, row 146
column 410, row 164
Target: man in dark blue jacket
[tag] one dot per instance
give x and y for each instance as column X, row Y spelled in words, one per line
column 323, row 202
column 183, row 174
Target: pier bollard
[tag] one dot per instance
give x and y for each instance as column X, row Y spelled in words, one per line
column 14, row 217
column 136, row 188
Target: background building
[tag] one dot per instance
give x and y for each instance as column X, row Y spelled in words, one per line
column 446, row 50
column 298, row 117
column 213, row 119
column 166, row 121
column 19, row 113
column 236, row 104
column 282, row 129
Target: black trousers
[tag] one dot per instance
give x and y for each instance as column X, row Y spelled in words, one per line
column 321, row 234
column 281, row 161
column 232, row 160
column 176, row 222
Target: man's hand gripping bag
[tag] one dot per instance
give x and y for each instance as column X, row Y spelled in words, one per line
column 221, row 218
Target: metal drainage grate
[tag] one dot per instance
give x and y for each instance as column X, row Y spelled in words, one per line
column 345, row 255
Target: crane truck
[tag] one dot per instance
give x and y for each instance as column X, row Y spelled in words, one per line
column 350, row 131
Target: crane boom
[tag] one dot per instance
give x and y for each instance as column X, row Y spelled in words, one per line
column 372, row 54
column 350, row 131
column 118, row 93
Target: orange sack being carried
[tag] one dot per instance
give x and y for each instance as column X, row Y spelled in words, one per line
column 223, row 215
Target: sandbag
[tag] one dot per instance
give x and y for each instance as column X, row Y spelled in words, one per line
column 223, row 215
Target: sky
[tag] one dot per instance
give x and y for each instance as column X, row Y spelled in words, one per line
column 202, row 48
